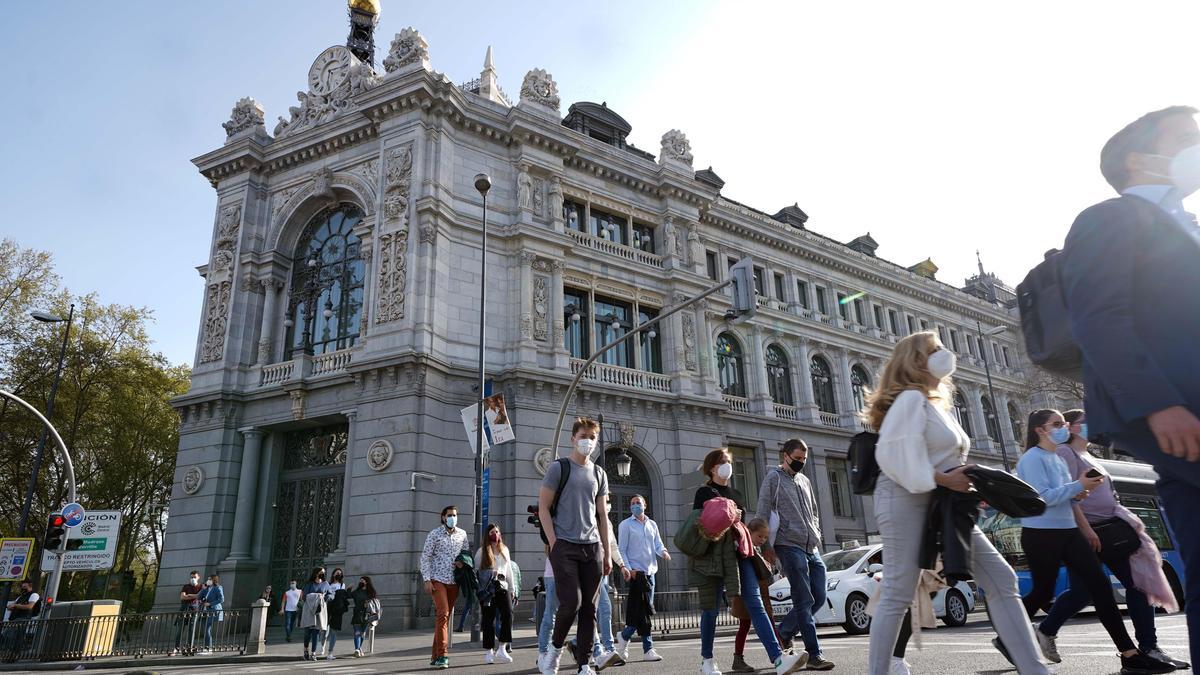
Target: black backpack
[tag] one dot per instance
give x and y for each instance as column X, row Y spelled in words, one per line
column 864, row 470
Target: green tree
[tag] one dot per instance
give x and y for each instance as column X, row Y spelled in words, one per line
column 112, row 409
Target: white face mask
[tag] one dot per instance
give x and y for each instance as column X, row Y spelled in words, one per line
column 1183, row 170
column 941, row 363
column 584, row 446
column 724, row 471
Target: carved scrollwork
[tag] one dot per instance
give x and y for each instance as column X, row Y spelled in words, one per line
column 212, row 346
column 227, row 233
column 408, row 48
column 393, row 269
column 541, row 306
column 247, row 114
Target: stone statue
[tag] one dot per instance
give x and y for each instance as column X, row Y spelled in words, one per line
column 675, row 147
column 539, row 87
column 247, row 113
column 556, row 198
column 524, row 189
column 408, row 47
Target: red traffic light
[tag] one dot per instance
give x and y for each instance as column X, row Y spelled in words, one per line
column 57, row 520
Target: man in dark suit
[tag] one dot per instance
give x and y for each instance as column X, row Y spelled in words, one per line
column 1131, row 275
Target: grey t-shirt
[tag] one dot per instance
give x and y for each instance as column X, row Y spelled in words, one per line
column 575, row 520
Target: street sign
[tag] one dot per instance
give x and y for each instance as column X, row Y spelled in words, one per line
column 72, row 515
column 15, row 555
column 97, row 537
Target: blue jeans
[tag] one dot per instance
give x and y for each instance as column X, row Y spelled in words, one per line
column 754, row 607
column 359, row 633
column 1179, row 489
column 604, row 618
column 330, row 640
column 547, row 625
column 1077, row 597
column 208, row 626
column 312, row 638
column 805, row 573
column 289, row 623
column 628, row 631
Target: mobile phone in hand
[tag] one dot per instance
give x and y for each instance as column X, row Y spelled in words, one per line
column 1094, row 473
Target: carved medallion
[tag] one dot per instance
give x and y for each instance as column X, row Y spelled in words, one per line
column 542, row 459
column 379, row 455
column 193, row 478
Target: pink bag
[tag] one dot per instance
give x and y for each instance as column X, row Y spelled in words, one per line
column 719, row 515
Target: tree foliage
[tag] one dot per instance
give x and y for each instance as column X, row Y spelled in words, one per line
column 112, row 409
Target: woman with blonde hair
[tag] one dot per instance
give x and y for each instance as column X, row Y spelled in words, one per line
column 921, row 447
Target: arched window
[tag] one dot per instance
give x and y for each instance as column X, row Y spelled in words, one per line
column 731, row 370
column 822, row 383
column 1014, row 419
column 859, row 381
column 779, row 376
column 961, row 412
column 326, row 302
column 990, row 419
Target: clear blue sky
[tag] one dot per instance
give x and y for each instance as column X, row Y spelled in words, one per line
column 939, row 127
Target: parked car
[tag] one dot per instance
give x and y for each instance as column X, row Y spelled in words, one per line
column 849, row 584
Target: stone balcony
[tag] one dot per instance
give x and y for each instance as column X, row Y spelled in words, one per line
column 619, row 250
column 623, row 377
column 304, row 368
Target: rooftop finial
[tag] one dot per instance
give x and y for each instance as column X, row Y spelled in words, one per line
column 489, row 86
column 487, row 60
column 979, row 260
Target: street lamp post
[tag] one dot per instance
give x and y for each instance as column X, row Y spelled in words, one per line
column 483, row 183
column 987, row 370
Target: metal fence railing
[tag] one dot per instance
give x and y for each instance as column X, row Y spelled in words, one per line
column 674, row 611
column 128, row 635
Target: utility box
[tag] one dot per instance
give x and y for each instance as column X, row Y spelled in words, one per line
column 81, row 629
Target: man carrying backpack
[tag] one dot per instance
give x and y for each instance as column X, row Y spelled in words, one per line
column 578, row 542
column 1130, row 274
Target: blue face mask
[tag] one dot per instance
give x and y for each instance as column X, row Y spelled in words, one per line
column 637, row 509
column 1060, row 435
column 1083, row 431
column 451, row 521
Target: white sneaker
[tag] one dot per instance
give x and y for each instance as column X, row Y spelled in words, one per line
column 622, row 647
column 709, row 667
column 899, row 667
column 651, row 656
column 489, row 657
column 552, row 661
column 357, row 653
column 502, row 655
column 330, row 657
column 609, row 659
column 204, row 652
column 586, row 669
column 790, row 663
column 1048, row 645
column 320, row 653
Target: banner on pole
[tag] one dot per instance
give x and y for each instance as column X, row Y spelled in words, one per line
column 496, row 426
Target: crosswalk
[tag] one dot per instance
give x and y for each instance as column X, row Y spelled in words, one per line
column 322, row 667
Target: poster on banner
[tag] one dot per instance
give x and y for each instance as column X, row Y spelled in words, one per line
column 15, row 556
column 97, row 550
column 495, row 416
column 470, row 418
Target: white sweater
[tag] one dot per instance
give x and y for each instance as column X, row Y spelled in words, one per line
column 917, row 438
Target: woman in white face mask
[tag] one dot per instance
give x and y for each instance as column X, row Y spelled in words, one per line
column 921, row 447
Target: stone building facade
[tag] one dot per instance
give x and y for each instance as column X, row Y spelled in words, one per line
column 338, row 338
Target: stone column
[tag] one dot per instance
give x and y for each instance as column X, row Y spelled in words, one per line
column 347, row 478
column 757, row 389
column 979, row 421
column 243, row 519
column 844, row 394
column 562, row 358
column 271, row 288
column 808, row 400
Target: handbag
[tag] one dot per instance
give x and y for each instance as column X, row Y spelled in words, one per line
column 864, row 470
column 1117, row 537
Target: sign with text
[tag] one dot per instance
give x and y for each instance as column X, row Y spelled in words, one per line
column 496, row 426
column 97, row 549
column 15, row 555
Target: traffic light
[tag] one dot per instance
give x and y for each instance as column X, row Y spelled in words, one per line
column 56, row 532
column 744, row 302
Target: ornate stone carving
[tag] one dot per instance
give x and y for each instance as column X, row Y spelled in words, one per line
column 428, row 233
column 393, row 269
column 212, row 347
column 334, row 79
column 627, row 431
column 397, row 182
column 524, row 189
column 280, row 200
column 689, row 340
column 298, row 399
column 542, row 265
column 539, row 197
column 526, row 326
column 539, row 88
column 555, row 200
column 675, row 148
column 542, row 459
column 527, row 258
column 247, row 114
column 323, row 183
column 193, row 478
column 379, row 455
column 671, row 237
column 541, row 306
column 408, row 48
column 559, row 332
column 227, row 233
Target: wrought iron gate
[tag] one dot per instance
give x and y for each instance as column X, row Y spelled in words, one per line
column 308, row 504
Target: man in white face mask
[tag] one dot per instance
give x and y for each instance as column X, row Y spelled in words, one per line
column 1131, row 284
column 574, row 498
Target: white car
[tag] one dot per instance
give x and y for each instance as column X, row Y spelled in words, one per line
column 849, row 584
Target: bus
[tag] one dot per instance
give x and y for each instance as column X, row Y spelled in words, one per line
column 1134, row 485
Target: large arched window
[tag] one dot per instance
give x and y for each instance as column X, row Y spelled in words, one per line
column 990, row 419
column 326, row 303
column 961, row 412
column 859, row 382
column 779, row 376
column 1014, row 419
column 822, row 383
column 731, row 370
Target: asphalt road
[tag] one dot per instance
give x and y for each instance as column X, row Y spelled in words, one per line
column 1085, row 648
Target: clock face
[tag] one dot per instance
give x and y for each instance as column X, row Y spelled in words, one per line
column 330, row 70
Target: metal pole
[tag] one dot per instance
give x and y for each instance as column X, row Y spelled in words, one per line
column 562, row 411
column 992, row 393
column 482, row 183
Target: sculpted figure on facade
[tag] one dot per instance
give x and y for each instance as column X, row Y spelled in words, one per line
column 334, row 79
column 408, row 48
column 524, row 188
column 689, row 340
column 675, row 148
column 539, row 87
column 541, row 305
column 212, row 346
column 247, row 114
column 397, row 181
column 227, row 233
column 671, row 236
column 556, row 198
column 539, row 200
